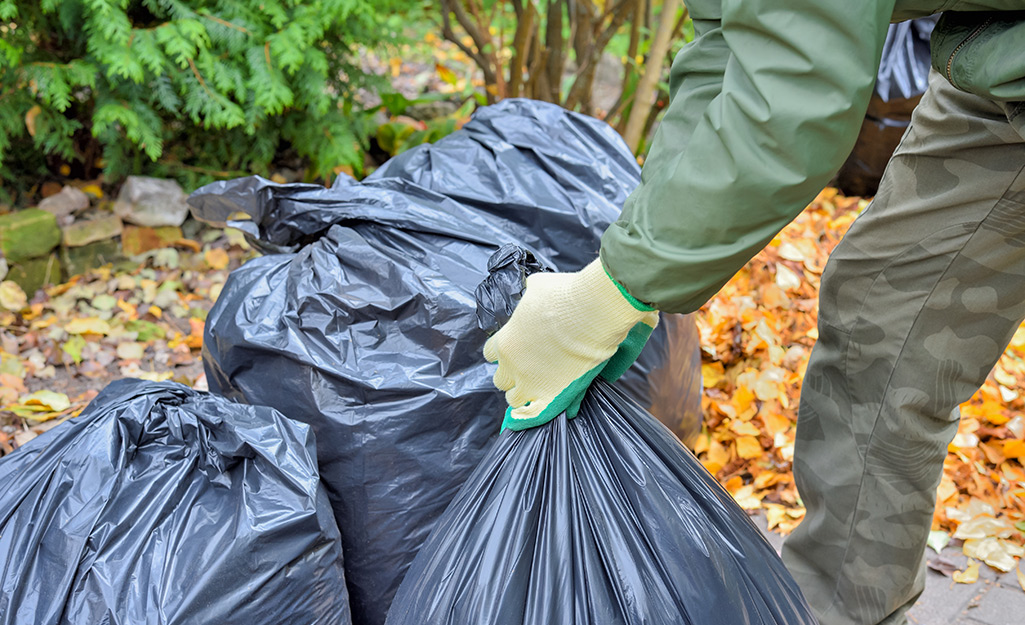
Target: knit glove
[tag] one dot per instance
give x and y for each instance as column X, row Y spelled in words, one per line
column 568, row 329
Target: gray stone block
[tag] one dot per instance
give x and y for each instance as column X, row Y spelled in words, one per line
column 89, row 231
column 151, row 202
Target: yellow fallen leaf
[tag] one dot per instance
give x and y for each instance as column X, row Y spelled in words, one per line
column 712, row 374
column 46, row 400
column 1004, row 377
column 87, row 325
column 93, row 190
column 775, row 423
column 12, row 297
column 968, row 576
column 747, row 499
column 216, row 258
column 1014, row 449
column 984, row 527
column 744, row 428
column 1021, row 577
column 748, row 447
column 996, row 553
column 946, row 490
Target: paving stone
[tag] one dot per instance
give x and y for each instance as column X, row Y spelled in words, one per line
column 29, row 233
column 1001, row 606
column 151, row 202
column 88, row 231
column 66, row 203
column 943, row 600
column 78, row 260
column 34, row 273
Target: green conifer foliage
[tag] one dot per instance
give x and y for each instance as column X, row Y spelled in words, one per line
column 180, row 86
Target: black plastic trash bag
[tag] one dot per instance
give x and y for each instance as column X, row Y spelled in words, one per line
column 902, row 78
column 604, row 519
column 160, row 504
column 366, row 328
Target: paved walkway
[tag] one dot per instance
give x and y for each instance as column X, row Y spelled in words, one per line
column 996, row 599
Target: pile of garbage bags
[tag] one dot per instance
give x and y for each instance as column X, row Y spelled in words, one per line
column 364, row 323
column 161, row 504
column 367, row 425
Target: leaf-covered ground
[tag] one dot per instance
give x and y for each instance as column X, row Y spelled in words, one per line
column 142, row 319
column 756, row 337
column 146, row 320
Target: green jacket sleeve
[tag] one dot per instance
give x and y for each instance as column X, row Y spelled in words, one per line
column 747, row 141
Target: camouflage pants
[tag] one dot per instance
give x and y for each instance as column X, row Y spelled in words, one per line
column 917, row 304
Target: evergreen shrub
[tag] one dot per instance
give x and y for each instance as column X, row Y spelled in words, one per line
column 187, row 88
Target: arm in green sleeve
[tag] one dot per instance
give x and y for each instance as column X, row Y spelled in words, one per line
column 732, row 164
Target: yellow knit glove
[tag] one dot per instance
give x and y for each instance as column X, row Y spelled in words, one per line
column 568, row 329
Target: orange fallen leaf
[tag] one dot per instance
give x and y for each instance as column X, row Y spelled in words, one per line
column 1014, row 449
column 216, row 258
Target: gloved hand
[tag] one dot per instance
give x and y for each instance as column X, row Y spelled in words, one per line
column 568, row 329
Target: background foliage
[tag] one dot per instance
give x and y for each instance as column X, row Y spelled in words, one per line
column 190, row 88
column 204, row 89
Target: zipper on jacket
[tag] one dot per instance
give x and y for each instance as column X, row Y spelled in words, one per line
column 973, row 35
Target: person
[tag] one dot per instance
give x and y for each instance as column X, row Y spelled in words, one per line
column 917, row 302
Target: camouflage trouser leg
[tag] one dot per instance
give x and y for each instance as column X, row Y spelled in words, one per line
column 917, row 304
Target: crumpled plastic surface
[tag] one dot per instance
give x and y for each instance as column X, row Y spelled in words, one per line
column 161, row 504
column 904, row 68
column 604, row 519
column 365, row 327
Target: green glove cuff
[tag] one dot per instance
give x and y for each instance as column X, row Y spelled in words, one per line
column 636, row 303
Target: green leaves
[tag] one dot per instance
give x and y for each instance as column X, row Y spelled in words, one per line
column 150, row 79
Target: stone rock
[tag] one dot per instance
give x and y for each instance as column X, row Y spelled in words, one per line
column 151, row 202
column 427, row 111
column 78, row 260
column 136, row 240
column 35, row 273
column 3, row 267
column 30, row 233
column 91, row 230
column 65, row 204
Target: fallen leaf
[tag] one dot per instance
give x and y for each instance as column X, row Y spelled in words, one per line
column 12, row 297
column 104, row 302
column 87, row 325
column 983, row 527
column 968, row 576
column 47, row 400
column 131, row 350
column 73, row 347
column 748, row 447
column 994, row 552
column 216, row 258
column 1021, row 577
column 937, row 540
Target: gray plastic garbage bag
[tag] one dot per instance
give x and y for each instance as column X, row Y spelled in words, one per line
column 604, row 519
column 363, row 324
column 161, row 504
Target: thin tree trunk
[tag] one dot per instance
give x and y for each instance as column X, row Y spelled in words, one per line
column 521, row 41
column 652, row 72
